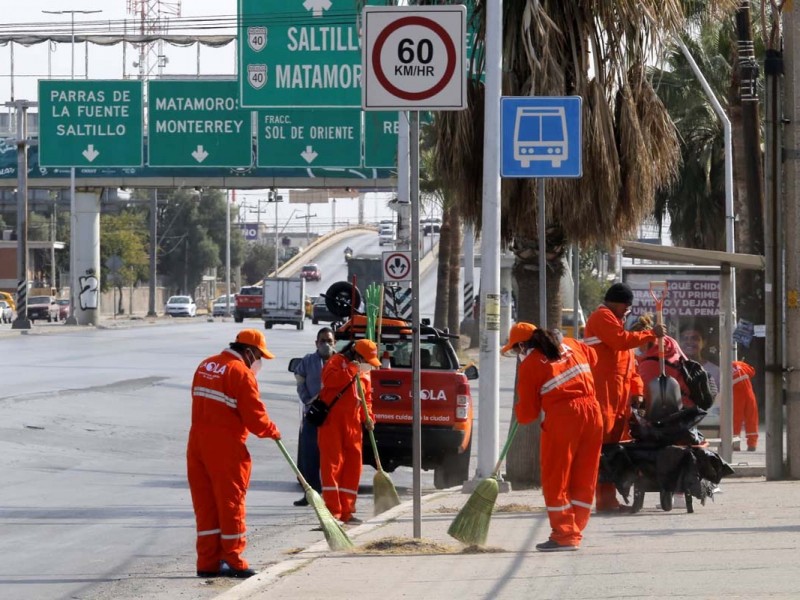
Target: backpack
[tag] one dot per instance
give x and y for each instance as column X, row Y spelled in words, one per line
column 702, row 388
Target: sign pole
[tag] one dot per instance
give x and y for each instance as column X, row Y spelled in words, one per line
column 22, row 321
column 416, row 423
column 542, row 231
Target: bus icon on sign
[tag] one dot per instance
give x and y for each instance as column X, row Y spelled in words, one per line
column 541, row 136
column 540, row 133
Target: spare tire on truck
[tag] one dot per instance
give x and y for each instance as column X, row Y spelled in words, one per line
column 342, row 299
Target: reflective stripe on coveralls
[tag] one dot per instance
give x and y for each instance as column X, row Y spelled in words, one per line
column 340, row 436
column 745, row 407
column 226, row 405
column 572, row 432
column 613, row 376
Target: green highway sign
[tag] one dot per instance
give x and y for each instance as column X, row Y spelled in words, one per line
column 197, row 123
column 299, row 53
column 90, row 123
column 381, row 129
column 299, row 137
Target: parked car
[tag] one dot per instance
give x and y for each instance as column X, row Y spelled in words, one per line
column 42, row 307
column 180, row 306
column 311, row 272
column 9, row 298
column 219, row 306
column 63, row 309
column 431, row 225
column 6, row 312
column 320, row 312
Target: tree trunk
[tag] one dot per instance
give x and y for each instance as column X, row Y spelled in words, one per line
column 748, row 190
column 522, row 464
column 454, row 279
column 442, row 281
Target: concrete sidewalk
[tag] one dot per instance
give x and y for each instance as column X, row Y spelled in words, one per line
column 744, row 544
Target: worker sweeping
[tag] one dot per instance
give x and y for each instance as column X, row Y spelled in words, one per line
column 226, row 405
column 614, row 371
column 555, row 377
column 340, row 436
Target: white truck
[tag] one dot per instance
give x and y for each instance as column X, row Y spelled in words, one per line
column 284, row 301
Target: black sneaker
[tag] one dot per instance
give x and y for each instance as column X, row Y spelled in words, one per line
column 302, row 502
column 208, row 574
column 354, row 521
column 227, row 571
column 551, row 546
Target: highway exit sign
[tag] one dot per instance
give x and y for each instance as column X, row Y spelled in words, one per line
column 299, row 53
column 197, row 123
column 90, row 123
column 299, row 137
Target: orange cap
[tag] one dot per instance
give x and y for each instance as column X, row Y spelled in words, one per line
column 256, row 339
column 520, row 332
column 368, row 351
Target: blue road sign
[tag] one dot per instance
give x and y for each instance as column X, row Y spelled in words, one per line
column 540, row 136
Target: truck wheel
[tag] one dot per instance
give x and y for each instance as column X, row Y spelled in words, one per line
column 300, row 325
column 267, row 325
column 314, row 321
column 453, row 470
column 237, row 318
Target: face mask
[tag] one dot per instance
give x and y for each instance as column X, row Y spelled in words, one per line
column 255, row 367
column 325, row 350
column 364, row 367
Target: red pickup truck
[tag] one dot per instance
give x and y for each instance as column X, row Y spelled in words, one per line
column 248, row 303
column 446, row 400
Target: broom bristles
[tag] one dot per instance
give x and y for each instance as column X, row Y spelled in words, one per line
column 334, row 534
column 471, row 525
column 384, row 493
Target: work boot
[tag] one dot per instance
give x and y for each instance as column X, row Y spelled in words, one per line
column 551, row 546
column 751, row 448
column 227, row 571
column 302, row 502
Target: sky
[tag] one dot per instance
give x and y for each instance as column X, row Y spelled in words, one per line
column 106, row 62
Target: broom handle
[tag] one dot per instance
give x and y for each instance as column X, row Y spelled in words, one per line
column 511, row 433
column 380, row 318
column 366, row 415
column 292, row 464
column 659, row 298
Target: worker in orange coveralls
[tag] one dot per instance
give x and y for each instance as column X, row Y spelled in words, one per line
column 340, row 436
column 555, row 377
column 226, row 405
column 745, row 407
column 615, row 371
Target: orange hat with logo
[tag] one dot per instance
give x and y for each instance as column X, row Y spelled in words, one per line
column 256, row 339
column 520, row 332
column 368, row 351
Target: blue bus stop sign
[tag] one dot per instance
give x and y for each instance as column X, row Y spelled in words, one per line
column 540, row 136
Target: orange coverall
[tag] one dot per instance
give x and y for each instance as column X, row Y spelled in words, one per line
column 613, row 374
column 340, row 436
column 572, row 433
column 226, row 405
column 745, row 407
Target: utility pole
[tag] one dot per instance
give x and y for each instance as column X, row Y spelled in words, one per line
column 792, row 221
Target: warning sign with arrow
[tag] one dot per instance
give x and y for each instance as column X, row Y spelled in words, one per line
column 396, row 266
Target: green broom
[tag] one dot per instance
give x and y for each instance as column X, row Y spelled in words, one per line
column 334, row 534
column 384, row 494
column 471, row 525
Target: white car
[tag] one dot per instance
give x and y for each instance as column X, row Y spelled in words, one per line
column 6, row 312
column 219, row 306
column 180, row 306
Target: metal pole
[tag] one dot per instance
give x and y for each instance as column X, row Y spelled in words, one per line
column 402, row 179
column 275, row 198
column 227, row 255
column 416, row 386
column 489, row 387
column 22, row 321
column 773, row 286
column 541, row 229
column 792, row 220
column 151, row 305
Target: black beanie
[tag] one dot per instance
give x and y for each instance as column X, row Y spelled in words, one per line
column 619, row 292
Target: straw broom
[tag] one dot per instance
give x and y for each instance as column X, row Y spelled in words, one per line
column 384, row 494
column 471, row 525
column 334, row 534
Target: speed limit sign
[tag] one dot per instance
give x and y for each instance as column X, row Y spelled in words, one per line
column 413, row 58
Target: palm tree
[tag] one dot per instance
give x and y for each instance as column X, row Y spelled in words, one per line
column 596, row 50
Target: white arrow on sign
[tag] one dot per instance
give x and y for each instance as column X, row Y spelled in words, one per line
column 200, row 154
column 90, row 153
column 317, row 6
column 309, row 155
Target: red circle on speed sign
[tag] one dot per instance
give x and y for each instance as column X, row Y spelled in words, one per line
column 378, row 67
